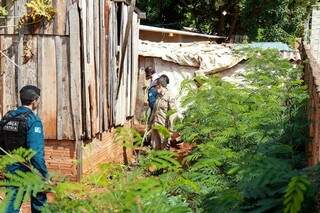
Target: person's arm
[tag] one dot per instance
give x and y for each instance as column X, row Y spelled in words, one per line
column 35, row 141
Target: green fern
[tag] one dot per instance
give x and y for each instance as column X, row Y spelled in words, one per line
column 128, row 137
column 163, row 131
column 295, row 194
column 160, row 160
column 27, row 183
column 20, row 155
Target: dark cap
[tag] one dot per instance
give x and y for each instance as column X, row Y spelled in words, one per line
column 149, row 71
column 29, row 93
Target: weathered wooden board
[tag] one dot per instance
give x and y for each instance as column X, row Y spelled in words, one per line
column 90, row 72
column 48, row 85
column 19, row 11
column 64, row 119
column 19, row 61
column 104, row 60
column 84, row 6
column 120, row 102
column 8, row 71
column 27, row 59
column 112, row 75
column 60, row 92
column 60, row 23
column 97, row 78
column 129, row 75
column 135, row 62
column 10, row 21
column 75, row 70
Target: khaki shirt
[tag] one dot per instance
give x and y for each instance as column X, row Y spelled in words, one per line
column 162, row 106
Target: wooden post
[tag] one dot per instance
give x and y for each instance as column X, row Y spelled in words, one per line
column 125, row 44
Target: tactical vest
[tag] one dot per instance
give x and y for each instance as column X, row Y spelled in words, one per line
column 13, row 131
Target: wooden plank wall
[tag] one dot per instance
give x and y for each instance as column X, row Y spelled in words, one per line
column 100, row 79
column 41, row 61
column 40, row 55
column 124, row 105
column 74, row 60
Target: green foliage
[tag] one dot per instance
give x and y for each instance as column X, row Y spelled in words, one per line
column 27, row 183
column 251, row 139
column 261, row 20
column 3, row 12
column 38, row 10
column 295, row 194
column 163, row 131
column 274, row 20
column 160, row 160
column 164, row 13
column 17, row 156
column 128, row 137
column 105, row 176
column 41, row 8
column 131, row 193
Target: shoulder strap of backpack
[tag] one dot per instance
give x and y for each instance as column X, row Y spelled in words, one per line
column 24, row 114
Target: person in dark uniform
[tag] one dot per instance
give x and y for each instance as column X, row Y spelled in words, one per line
column 33, row 139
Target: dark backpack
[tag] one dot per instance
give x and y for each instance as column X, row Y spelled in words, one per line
column 13, row 131
column 152, row 96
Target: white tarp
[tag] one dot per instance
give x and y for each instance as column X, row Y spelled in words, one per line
column 177, row 74
column 205, row 56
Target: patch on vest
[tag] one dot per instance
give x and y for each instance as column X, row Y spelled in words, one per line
column 37, row 129
column 11, row 126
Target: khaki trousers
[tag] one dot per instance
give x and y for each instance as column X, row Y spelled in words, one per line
column 157, row 141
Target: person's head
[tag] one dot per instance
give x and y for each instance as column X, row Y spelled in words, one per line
column 162, row 82
column 149, row 72
column 29, row 96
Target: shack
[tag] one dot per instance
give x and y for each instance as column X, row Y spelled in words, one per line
column 181, row 61
column 85, row 61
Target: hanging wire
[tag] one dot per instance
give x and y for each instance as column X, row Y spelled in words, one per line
column 9, row 59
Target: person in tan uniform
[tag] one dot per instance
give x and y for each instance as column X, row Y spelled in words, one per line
column 159, row 114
